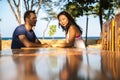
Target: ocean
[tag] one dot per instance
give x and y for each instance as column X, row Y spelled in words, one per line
column 9, row 38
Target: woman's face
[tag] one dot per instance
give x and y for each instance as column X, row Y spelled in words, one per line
column 63, row 20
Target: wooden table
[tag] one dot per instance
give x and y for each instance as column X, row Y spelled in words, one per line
column 59, row 64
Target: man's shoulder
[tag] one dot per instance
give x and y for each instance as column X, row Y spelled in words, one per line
column 20, row 26
column 20, row 29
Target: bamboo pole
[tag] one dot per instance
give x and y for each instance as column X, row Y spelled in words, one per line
column 113, row 36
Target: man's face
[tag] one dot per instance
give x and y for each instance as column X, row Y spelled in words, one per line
column 32, row 19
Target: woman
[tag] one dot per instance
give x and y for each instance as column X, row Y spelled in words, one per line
column 72, row 31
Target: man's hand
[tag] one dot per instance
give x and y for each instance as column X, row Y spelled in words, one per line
column 45, row 45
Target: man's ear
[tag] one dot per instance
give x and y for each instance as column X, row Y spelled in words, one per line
column 26, row 19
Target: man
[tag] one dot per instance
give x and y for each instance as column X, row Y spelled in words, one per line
column 24, row 36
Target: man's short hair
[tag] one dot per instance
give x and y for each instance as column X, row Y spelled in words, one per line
column 27, row 14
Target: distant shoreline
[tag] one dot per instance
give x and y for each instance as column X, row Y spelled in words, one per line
column 94, row 38
column 6, row 42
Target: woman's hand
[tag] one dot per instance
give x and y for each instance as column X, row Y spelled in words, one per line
column 61, row 45
column 54, row 45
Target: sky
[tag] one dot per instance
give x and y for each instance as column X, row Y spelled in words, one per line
column 9, row 23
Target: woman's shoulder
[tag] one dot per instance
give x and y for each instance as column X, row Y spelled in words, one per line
column 73, row 27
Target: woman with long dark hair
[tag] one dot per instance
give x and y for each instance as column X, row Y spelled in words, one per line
column 72, row 31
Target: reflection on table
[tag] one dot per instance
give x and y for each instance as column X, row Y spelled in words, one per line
column 59, row 64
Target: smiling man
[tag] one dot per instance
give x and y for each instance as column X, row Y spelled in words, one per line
column 23, row 35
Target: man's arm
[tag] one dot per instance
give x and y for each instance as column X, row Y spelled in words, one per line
column 37, row 41
column 28, row 43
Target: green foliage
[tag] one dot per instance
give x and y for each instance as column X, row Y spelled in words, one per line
column 92, row 7
column 86, row 1
column 52, row 30
column 74, row 9
column 104, row 9
column 51, row 7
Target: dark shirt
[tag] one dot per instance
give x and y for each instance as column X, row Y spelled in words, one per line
column 21, row 30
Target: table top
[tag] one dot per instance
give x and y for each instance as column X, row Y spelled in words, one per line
column 59, row 64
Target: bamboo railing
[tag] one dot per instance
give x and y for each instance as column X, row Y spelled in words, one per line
column 0, row 43
column 111, row 34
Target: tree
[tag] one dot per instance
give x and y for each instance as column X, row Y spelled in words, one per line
column 52, row 15
column 49, row 19
column 16, row 6
column 102, row 8
column 51, row 8
column 105, row 10
column 52, row 30
column 74, row 9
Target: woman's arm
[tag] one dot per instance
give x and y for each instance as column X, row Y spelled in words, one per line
column 69, row 42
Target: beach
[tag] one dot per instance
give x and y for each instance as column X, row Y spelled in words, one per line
column 6, row 44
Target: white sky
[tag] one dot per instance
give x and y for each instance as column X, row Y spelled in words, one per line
column 9, row 23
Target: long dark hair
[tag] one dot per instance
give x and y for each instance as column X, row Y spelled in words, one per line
column 70, row 22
